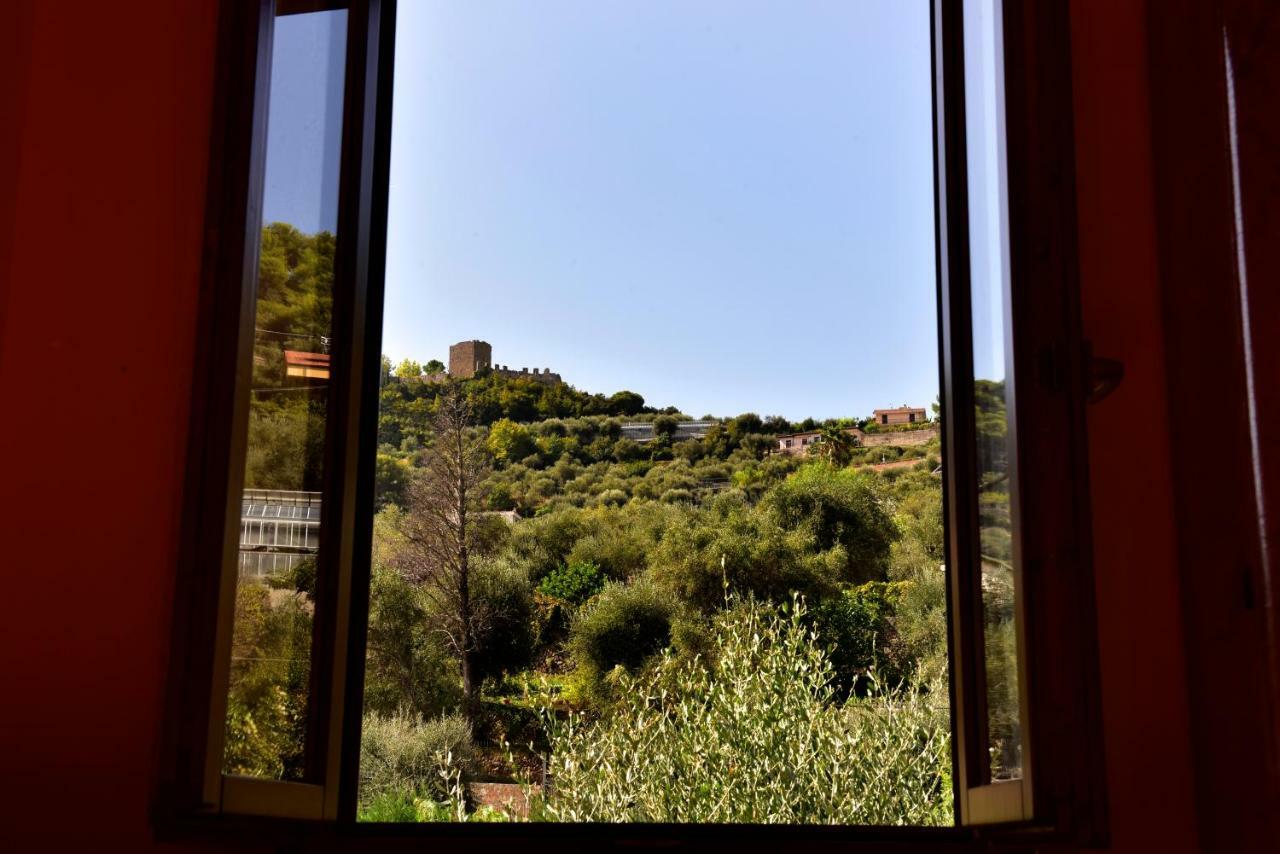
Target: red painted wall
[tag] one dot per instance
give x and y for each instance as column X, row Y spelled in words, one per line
column 110, row 103
column 96, row 347
column 1143, row 678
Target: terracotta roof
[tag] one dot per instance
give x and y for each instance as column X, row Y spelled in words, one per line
column 305, row 359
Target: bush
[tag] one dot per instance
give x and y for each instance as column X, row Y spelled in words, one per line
column 503, row 593
column 677, row 496
column 858, row 631
column 406, row 664
column 574, row 582
column 754, row 739
column 403, row 757
column 842, row 509
column 623, row 627
column 733, row 547
column 267, row 700
column 612, row 498
column 388, row 807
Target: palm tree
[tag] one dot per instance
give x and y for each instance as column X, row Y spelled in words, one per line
column 835, row 445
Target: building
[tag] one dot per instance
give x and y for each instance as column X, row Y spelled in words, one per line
column 797, row 444
column 278, row 530
column 902, row 415
column 544, row 376
column 643, row 431
column 301, row 364
column 467, row 358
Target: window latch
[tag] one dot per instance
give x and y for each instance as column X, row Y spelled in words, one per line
column 1104, row 374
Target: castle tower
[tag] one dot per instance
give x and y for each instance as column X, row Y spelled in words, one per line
column 467, row 357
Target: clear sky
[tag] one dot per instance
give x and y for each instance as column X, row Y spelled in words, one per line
column 304, row 120
column 724, row 205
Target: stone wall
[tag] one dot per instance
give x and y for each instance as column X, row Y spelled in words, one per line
column 899, row 438
column 544, row 376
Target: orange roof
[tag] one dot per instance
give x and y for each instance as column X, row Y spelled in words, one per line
column 305, row 359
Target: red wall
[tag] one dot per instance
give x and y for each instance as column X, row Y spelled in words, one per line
column 96, row 350
column 1143, row 678
column 111, row 104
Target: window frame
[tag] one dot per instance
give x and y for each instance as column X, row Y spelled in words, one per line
column 1062, row 795
column 1062, row 798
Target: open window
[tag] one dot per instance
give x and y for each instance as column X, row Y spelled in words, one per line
column 274, row 582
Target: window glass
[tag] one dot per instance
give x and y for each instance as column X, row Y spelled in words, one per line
column 993, row 387
column 267, row 704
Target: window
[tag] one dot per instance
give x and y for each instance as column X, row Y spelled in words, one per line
column 275, row 586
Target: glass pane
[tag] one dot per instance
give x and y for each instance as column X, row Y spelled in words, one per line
column 993, row 389
column 714, row 221
column 280, row 512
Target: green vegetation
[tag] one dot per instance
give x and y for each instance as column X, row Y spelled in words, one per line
column 756, row 735
column 672, row 630
column 651, row 588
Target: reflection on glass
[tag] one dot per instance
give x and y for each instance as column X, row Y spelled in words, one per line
column 280, row 511
column 993, row 392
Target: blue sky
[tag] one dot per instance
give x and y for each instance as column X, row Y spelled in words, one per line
column 723, row 205
column 304, row 121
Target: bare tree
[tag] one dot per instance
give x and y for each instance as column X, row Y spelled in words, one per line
column 442, row 537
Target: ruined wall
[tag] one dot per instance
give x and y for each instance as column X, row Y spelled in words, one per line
column 540, row 376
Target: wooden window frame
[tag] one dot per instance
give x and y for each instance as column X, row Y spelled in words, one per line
column 1062, row 798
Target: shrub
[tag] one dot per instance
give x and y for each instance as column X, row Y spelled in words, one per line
column 503, row 593
column 612, row 498
column 842, row 509
column 858, row 631
column 624, row 626
column 677, row 496
column 618, row 551
column 388, row 807
column 267, row 700
column 754, row 739
column 406, row 664
column 735, row 547
column 403, row 757
column 541, row 544
column 574, row 582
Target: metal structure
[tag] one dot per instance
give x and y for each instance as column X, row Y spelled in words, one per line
column 278, row 530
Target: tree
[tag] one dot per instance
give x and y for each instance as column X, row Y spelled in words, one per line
column 626, row 403
column 776, row 424
column 408, row 369
column 433, row 366
column 665, row 425
column 390, row 478
column 510, row 442
column 443, row 537
column 835, row 445
column 839, row 507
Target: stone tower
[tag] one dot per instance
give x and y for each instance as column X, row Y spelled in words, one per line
column 467, row 357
